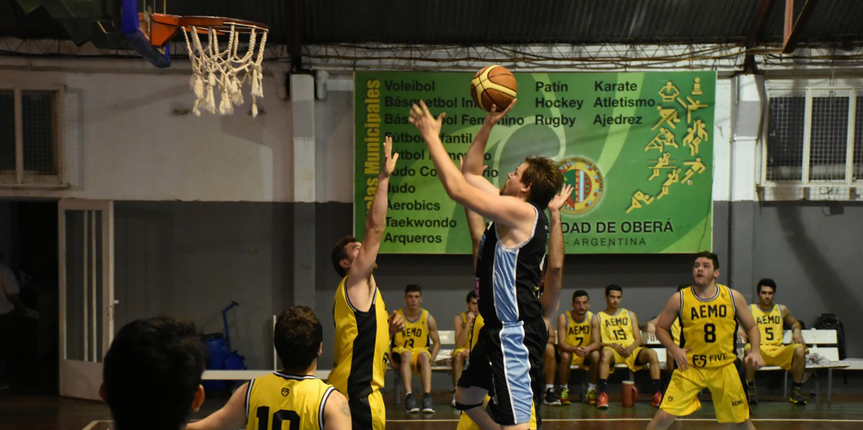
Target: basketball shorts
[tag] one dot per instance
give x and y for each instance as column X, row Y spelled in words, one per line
column 458, row 351
column 465, row 423
column 508, row 362
column 582, row 362
column 726, row 386
column 631, row 362
column 368, row 412
column 778, row 355
column 415, row 353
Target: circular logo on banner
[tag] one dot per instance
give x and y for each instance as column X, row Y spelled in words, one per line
column 586, row 179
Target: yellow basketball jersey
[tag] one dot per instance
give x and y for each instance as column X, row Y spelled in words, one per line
column 616, row 328
column 770, row 324
column 675, row 331
column 709, row 327
column 578, row 333
column 478, row 322
column 279, row 400
column 416, row 332
column 367, row 333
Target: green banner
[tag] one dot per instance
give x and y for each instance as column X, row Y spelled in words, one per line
column 638, row 147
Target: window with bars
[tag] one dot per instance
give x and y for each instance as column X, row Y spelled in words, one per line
column 815, row 137
column 31, row 136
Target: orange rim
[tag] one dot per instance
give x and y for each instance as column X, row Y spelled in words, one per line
column 220, row 24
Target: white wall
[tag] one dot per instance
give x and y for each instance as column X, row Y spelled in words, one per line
column 126, row 138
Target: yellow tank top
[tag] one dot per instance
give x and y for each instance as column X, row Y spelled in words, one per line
column 280, row 400
column 770, row 324
column 473, row 338
column 709, row 327
column 416, row 332
column 675, row 331
column 578, row 333
column 616, row 328
column 364, row 332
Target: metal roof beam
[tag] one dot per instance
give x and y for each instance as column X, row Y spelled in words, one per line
column 792, row 32
column 754, row 31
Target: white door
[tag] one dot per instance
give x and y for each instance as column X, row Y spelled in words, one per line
column 86, row 236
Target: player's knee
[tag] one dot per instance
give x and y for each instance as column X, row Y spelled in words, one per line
column 423, row 358
column 800, row 351
column 565, row 357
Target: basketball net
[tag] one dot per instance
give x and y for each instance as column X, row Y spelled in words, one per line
column 224, row 71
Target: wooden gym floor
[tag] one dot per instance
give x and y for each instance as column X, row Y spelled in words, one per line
column 771, row 413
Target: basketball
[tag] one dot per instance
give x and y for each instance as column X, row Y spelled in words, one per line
column 493, row 85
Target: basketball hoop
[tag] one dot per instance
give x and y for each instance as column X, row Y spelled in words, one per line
column 224, row 65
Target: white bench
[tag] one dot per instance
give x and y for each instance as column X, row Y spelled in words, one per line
column 824, row 343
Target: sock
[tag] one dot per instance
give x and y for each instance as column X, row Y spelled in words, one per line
column 797, row 385
column 603, row 385
column 549, row 387
column 591, row 387
column 564, row 387
column 654, row 384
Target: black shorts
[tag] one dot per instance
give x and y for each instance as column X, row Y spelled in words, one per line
column 508, row 362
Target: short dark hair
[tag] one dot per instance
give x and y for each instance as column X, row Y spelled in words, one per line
column 155, row 362
column 338, row 254
column 298, row 336
column 470, row 295
column 413, row 287
column 707, row 254
column 613, row 287
column 579, row 293
column 544, row 178
column 766, row 282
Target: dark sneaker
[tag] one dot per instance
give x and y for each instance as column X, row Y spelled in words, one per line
column 427, row 404
column 797, row 397
column 550, row 398
column 411, row 404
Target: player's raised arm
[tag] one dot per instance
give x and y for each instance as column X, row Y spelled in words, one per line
column 361, row 268
column 472, row 168
column 554, row 273
column 506, row 210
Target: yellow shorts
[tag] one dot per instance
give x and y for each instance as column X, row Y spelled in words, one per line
column 580, row 362
column 729, row 397
column 415, row 353
column 465, row 423
column 778, row 355
column 458, row 351
column 379, row 411
column 631, row 362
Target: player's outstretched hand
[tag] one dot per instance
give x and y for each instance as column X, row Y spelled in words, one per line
column 389, row 157
column 558, row 200
column 424, row 121
column 494, row 116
